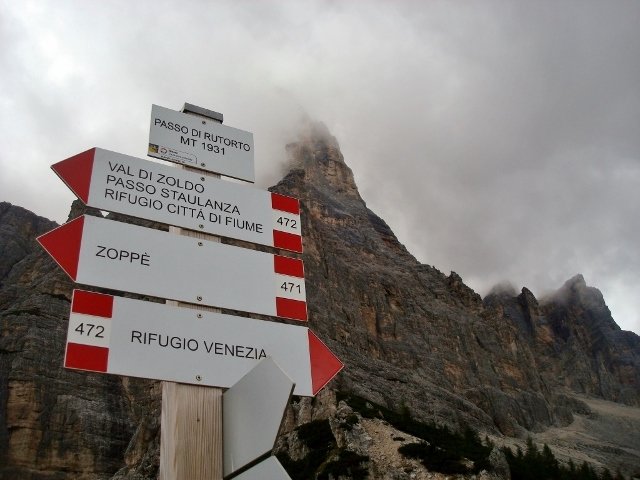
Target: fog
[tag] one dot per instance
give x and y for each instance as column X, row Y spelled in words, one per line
column 498, row 139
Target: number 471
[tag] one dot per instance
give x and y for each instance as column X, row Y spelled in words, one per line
column 290, row 287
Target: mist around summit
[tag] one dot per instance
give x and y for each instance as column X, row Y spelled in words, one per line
column 498, row 140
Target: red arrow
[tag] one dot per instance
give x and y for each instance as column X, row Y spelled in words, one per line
column 76, row 173
column 101, row 252
column 105, row 180
column 132, row 332
column 324, row 364
column 63, row 244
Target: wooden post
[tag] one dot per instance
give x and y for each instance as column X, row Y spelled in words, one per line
column 191, row 418
column 191, row 432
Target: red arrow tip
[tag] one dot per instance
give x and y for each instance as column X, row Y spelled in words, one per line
column 324, row 364
column 63, row 244
column 76, row 173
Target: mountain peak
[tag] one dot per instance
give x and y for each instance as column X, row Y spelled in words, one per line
column 316, row 152
column 575, row 291
column 316, row 134
column 576, row 282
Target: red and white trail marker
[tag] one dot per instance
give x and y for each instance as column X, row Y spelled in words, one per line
column 123, row 336
column 104, row 253
column 131, row 186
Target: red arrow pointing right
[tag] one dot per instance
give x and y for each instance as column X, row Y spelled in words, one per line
column 324, row 364
column 122, row 336
column 63, row 244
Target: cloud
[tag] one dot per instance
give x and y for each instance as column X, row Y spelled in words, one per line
column 498, row 139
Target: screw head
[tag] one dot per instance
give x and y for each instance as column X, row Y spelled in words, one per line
column 199, row 315
column 198, row 378
column 203, row 164
column 200, row 244
column 199, row 298
column 201, row 226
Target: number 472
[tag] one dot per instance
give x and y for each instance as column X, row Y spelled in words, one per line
column 287, row 222
column 96, row 330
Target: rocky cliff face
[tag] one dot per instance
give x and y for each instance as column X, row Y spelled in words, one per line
column 54, row 423
column 576, row 342
column 416, row 328
column 413, row 340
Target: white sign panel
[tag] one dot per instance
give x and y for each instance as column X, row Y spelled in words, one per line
column 120, row 256
column 252, row 411
column 201, row 143
column 120, row 183
column 123, row 336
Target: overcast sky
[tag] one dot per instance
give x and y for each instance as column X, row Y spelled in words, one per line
column 499, row 139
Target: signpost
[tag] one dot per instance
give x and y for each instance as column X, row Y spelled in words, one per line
column 191, row 416
column 104, row 253
column 131, row 186
column 194, row 346
column 123, row 336
column 201, row 143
